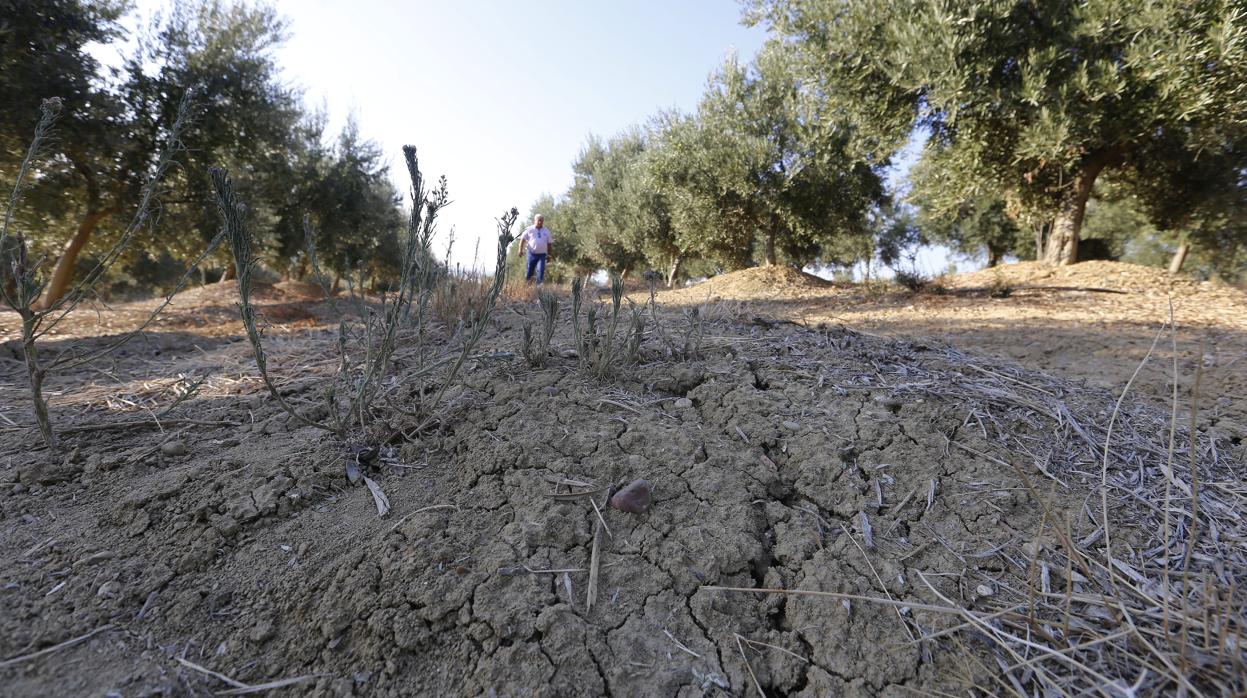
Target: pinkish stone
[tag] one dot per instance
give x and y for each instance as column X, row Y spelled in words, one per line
column 634, row 499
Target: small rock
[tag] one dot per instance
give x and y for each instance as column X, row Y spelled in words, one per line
column 141, row 521
column 681, row 381
column 227, row 525
column 176, row 447
column 267, row 495
column 683, row 403
column 365, row 455
column 242, row 509
column 262, row 631
column 792, row 426
column 633, row 499
column 550, row 390
column 19, row 488
column 109, row 590
column 890, row 403
column 65, row 473
column 95, row 558
column 154, row 578
column 984, row 590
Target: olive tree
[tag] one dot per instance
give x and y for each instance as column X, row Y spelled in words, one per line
column 1036, row 98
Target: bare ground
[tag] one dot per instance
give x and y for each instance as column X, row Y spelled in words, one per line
column 221, row 538
column 1092, row 322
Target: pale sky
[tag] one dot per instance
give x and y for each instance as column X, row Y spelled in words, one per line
column 500, row 96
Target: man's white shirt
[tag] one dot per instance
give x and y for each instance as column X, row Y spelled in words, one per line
column 537, row 239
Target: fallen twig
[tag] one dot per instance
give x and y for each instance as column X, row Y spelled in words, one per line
column 14, row 661
column 748, row 668
column 595, row 562
column 421, row 510
column 242, row 689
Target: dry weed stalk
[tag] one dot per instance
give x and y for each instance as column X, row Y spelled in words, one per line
column 636, row 334
column 536, row 350
column 602, row 354
column 366, row 349
column 480, row 316
column 602, row 342
column 22, row 282
column 604, row 359
column 578, row 286
column 233, row 214
column 694, row 332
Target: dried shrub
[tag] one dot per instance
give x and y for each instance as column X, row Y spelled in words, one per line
column 912, row 281
column 22, row 281
column 366, row 346
column 536, row 349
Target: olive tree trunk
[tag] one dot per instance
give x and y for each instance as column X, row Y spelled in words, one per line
column 1062, row 244
column 63, row 273
column 1179, row 258
column 674, row 273
column 770, row 248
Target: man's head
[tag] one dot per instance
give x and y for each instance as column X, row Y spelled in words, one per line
column 539, row 220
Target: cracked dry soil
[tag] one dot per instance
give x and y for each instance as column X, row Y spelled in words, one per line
column 798, row 465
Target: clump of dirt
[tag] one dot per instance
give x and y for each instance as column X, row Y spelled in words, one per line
column 781, row 458
column 756, row 283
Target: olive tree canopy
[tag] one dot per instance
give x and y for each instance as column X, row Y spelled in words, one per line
column 1037, row 98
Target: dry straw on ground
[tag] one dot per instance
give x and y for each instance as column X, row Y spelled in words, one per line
column 1158, row 606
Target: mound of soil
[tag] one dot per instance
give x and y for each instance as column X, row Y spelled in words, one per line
column 211, row 309
column 226, row 293
column 1102, row 274
column 227, row 539
column 756, row 283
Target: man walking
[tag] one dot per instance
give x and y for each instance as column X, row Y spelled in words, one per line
column 537, row 242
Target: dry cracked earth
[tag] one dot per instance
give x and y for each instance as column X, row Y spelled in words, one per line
column 782, row 458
